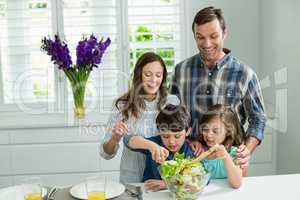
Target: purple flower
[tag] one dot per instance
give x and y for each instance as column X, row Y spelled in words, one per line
column 58, row 51
column 89, row 52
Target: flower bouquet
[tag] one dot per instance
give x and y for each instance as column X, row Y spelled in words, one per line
column 89, row 52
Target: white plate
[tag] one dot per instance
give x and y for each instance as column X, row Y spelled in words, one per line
column 113, row 189
column 15, row 193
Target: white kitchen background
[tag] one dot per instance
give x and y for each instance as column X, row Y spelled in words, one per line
column 38, row 134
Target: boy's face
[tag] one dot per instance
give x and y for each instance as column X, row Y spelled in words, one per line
column 173, row 141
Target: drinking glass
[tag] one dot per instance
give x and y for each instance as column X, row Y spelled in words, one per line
column 95, row 187
column 31, row 188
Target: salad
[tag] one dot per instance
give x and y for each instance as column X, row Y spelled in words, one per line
column 186, row 183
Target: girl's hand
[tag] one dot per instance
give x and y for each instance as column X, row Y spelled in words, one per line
column 196, row 146
column 159, row 154
column 118, row 131
column 155, row 185
column 221, row 152
column 244, row 154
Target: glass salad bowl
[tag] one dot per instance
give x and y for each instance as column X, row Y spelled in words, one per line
column 188, row 188
column 185, row 183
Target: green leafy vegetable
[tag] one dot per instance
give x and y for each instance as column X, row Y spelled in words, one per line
column 184, row 182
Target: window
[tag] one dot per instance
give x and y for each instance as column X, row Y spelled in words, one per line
column 100, row 18
column 31, row 84
column 26, row 74
column 154, row 25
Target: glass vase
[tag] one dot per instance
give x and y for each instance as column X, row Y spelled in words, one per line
column 78, row 90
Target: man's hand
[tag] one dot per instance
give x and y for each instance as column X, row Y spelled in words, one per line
column 159, row 154
column 155, row 185
column 196, row 146
column 244, row 154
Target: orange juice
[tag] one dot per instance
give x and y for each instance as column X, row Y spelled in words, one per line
column 96, row 196
column 33, row 196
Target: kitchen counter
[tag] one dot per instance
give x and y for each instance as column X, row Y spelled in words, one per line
column 275, row 187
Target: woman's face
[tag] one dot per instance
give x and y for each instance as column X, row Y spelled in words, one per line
column 152, row 76
column 214, row 132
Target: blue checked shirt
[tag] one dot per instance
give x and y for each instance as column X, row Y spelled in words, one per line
column 229, row 82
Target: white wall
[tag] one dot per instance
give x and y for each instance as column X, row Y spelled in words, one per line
column 280, row 49
column 60, row 156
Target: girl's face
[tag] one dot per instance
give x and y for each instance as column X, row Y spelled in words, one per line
column 214, row 132
column 152, row 76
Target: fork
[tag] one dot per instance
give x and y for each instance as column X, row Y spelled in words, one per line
column 51, row 193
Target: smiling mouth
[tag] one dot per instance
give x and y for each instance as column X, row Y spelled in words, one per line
column 152, row 87
column 210, row 141
column 210, row 51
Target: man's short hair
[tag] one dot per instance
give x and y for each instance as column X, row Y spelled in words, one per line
column 209, row 14
column 173, row 118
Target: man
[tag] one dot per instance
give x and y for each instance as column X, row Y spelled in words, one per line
column 214, row 76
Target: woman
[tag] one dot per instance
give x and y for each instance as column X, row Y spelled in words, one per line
column 135, row 113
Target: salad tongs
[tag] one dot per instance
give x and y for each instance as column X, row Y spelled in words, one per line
column 201, row 156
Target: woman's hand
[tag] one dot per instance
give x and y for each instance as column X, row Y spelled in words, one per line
column 159, row 154
column 196, row 146
column 155, row 185
column 118, row 131
column 244, row 154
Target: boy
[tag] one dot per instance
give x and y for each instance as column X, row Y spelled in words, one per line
column 173, row 125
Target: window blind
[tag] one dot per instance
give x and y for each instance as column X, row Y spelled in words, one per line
column 154, row 25
column 134, row 26
column 27, row 74
column 98, row 17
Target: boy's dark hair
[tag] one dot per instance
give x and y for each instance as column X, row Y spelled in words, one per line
column 173, row 118
column 234, row 132
column 209, row 14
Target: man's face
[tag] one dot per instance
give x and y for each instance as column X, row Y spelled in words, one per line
column 210, row 40
column 173, row 141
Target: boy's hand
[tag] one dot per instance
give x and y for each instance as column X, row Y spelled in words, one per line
column 159, row 154
column 155, row 185
column 118, row 131
column 196, row 146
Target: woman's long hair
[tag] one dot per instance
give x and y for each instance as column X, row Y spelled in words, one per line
column 133, row 100
column 234, row 132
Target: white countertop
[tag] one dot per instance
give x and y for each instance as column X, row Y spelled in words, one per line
column 277, row 187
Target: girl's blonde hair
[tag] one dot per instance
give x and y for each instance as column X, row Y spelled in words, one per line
column 234, row 131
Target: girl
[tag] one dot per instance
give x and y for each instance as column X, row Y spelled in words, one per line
column 135, row 112
column 220, row 127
